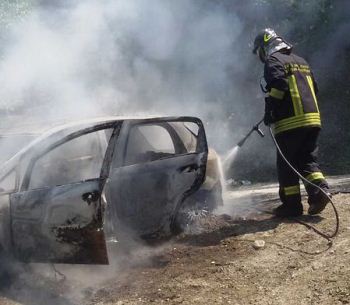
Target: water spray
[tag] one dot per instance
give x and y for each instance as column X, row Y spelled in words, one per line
column 231, row 155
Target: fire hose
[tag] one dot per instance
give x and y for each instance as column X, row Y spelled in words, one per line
column 328, row 237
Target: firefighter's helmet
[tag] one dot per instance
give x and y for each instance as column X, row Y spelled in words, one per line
column 268, row 42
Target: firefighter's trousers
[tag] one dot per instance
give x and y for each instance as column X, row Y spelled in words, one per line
column 300, row 148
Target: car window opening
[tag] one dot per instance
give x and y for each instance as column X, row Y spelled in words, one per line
column 151, row 142
column 76, row 160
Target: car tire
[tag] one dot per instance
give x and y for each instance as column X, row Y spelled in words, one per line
column 190, row 212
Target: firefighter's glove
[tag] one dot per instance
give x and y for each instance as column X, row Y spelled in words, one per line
column 268, row 116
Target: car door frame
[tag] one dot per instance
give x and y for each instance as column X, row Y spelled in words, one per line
column 129, row 123
column 202, row 147
column 96, row 127
column 37, row 154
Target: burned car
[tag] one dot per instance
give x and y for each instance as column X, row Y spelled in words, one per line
column 63, row 193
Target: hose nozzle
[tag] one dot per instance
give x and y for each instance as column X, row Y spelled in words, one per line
column 255, row 128
column 258, row 130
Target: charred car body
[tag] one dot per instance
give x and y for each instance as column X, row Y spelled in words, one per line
column 62, row 194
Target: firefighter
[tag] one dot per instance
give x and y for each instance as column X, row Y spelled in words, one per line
column 291, row 106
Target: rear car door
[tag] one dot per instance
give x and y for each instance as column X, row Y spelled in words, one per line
column 57, row 216
column 158, row 164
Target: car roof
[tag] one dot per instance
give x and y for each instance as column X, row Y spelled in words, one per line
column 17, row 125
column 68, row 128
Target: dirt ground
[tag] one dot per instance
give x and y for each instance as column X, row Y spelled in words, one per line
column 214, row 262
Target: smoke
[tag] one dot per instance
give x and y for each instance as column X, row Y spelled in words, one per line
column 75, row 59
column 118, row 57
column 41, row 284
column 65, row 60
column 88, row 58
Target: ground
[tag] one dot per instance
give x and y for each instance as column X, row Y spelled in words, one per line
column 214, row 262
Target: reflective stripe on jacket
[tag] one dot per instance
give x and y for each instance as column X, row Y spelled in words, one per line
column 291, row 92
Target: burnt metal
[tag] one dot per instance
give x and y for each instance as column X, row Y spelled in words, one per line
column 90, row 197
column 66, row 224
column 147, row 196
column 56, row 225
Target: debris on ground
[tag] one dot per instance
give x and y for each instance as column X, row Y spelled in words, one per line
column 258, row 244
column 219, row 265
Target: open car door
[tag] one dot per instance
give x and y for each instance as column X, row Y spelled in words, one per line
column 57, row 216
column 160, row 162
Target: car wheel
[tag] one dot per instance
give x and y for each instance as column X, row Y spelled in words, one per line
column 189, row 216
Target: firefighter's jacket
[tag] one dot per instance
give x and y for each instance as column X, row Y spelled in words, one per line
column 291, row 92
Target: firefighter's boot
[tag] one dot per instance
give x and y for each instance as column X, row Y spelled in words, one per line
column 288, row 210
column 318, row 201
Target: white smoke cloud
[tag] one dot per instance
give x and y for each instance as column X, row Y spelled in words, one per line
column 96, row 57
column 93, row 57
column 116, row 57
column 87, row 58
